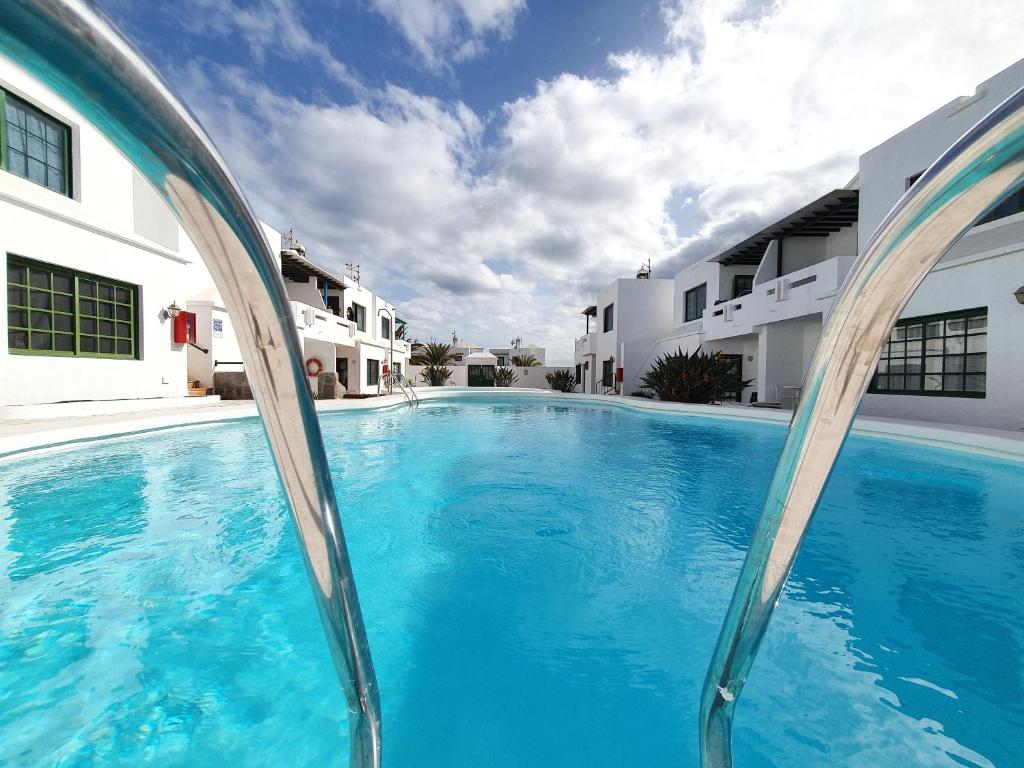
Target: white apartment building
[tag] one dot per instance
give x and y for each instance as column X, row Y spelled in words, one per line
column 629, row 315
column 344, row 327
column 955, row 354
column 92, row 258
column 108, row 299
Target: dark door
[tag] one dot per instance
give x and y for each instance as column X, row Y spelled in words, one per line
column 735, row 367
column 481, row 375
column 342, row 368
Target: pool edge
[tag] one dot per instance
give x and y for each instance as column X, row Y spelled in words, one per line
column 1000, row 444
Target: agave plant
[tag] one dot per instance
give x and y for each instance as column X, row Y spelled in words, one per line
column 432, row 354
column 505, row 377
column 562, row 379
column 525, row 361
column 435, row 375
column 697, row 377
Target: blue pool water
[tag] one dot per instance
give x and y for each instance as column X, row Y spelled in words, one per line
column 542, row 586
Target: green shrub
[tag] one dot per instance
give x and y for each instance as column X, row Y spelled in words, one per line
column 700, row 377
column 435, row 375
column 562, row 379
column 505, row 377
column 525, row 361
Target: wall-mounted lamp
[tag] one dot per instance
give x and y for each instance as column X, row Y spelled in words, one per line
column 171, row 312
column 1019, row 293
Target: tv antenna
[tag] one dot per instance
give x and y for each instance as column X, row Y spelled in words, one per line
column 353, row 271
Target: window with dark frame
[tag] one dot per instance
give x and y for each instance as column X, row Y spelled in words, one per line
column 385, row 327
column 56, row 311
column 742, row 285
column 372, row 372
column 607, row 372
column 579, row 374
column 695, row 301
column 359, row 316
column 1009, row 205
column 609, row 318
column 34, row 145
column 938, row 355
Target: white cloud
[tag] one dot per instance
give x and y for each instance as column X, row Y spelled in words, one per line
column 751, row 111
column 443, row 30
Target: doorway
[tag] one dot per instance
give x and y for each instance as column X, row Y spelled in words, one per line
column 342, row 370
column 480, row 375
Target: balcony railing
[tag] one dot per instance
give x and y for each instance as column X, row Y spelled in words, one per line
column 323, row 324
column 585, row 344
column 799, row 293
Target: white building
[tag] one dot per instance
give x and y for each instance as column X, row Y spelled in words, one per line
column 92, row 257
column 344, row 327
column 762, row 301
column 932, row 370
column 97, row 267
column 955, row 355
column 629, row 315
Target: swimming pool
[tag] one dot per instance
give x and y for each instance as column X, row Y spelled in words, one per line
column 542, row 585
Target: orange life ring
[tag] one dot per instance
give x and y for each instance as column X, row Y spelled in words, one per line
column 313, row 367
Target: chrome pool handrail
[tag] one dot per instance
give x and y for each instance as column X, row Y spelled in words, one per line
column 72, row 48
column 959, row 188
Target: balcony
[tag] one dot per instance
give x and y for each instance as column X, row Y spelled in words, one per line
column 318, row 323
column 806, row 291
column 586, row 345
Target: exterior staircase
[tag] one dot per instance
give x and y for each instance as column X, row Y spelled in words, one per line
column 195, row 389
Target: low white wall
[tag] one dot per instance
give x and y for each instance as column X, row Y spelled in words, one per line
column 528, row 378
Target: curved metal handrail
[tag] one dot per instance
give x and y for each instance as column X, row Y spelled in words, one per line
column 960, row 187
column 399, row 380
column 73, row 49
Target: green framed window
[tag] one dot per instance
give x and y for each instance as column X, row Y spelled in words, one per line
column 385, row 327
column 34, row 145
column 944, row 355
column 372, row 372
column 56, row 311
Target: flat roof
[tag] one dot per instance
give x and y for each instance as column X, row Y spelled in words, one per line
column 296, row 267
column 829, row 213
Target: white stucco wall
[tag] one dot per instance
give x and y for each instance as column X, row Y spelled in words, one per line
column 974, row 282
column 95, row 231
column 885, row 169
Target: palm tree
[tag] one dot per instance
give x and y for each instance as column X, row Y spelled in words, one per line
column 434, row 357
column 525, row 361
column 432, row 354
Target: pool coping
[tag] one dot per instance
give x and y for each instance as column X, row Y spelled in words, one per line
column 47, row 436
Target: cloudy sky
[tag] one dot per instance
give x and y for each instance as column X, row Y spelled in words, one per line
column 492, row 164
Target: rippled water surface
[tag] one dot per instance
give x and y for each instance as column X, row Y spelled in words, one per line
column 542, row 586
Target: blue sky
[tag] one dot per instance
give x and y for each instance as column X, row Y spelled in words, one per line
column 492, row 164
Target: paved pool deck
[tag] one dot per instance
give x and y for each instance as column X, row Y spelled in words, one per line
column 67, row 425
